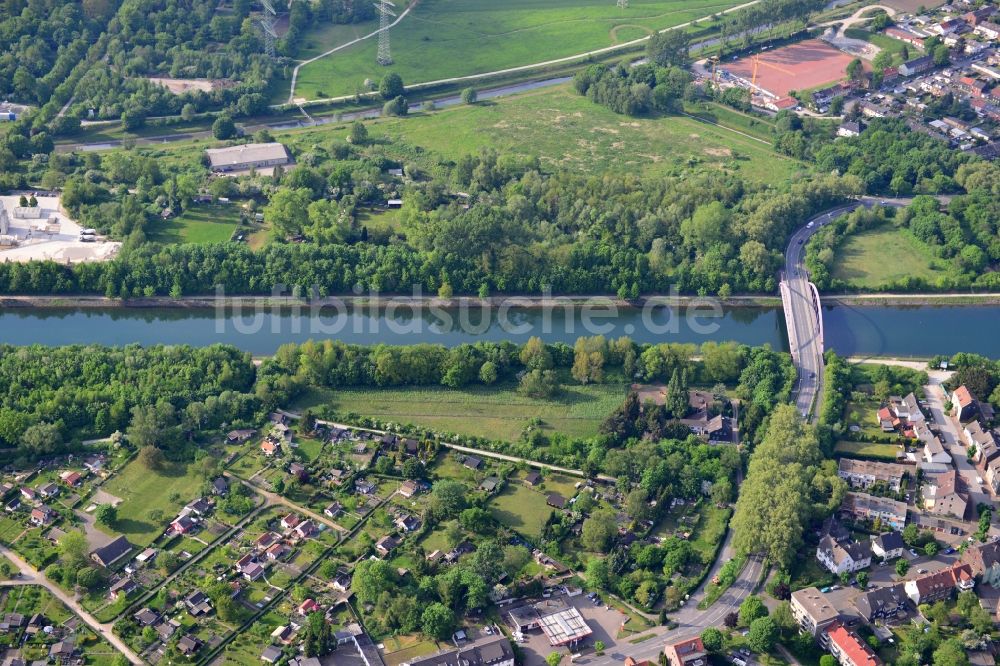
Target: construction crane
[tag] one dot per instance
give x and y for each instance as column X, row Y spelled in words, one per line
column 755, row 63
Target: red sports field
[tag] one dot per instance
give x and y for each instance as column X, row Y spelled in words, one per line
column 802, row 66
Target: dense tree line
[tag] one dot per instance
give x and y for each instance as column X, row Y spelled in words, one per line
column 41, row 41
column 786, row 487
column 518, row 232
column 49, row 396
column 634, row 91
column 889, row 158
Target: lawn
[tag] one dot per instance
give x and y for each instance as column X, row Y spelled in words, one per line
column 867, row 449
column 881, row 256
column 884, row 42
column 498, row 412
column 567, row 131
column 521, row 509
column 213, row 223
column 145, row 491
column 446, row 38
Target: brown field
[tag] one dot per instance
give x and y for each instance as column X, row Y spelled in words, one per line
column 803, row 66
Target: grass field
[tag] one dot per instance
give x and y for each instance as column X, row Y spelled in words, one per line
column 565, row 130
column 199, row 224
column 867, row 449
column 521, row 509
column 494, row 412
column 880, row 256
column 884, row 42
column 446, row 38
column 143, row 491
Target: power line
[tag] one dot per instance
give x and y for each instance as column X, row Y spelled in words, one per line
column 267, row 22
column 385, row 13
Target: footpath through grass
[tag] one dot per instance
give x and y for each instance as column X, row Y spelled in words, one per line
column 448, row 38
column 496, row 412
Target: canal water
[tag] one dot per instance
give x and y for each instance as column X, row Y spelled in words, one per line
column 850, row 330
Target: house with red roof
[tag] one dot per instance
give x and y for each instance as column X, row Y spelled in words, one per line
column 848, row 648
column 940, row 585
column 308, row 606
column 689, row 652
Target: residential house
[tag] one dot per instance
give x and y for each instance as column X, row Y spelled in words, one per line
column 408, row 523
column 265, row 540
column 364, row 487
column 844, row 557
column 240, row 436
column 270, row 447
column 866, row 473
column 122, row 588
column 341, row 580
column 813, row 612
column 988, row 30
column 244, row 562
column 555, row 500
column 386, row 544
column 888, row 546
column 271, row 654
column 146, row 617
column 189, row 645
column 71, row 478
column 109, row 554
column 939, row 585
column 305, row 529
column 934, row 451
column 62, row 652
column 687, row 652
column 848, row 648
column 290, row 521
column 880, row 603
column 183, row 525
column 253, row 571
column 849, row 128
column 43, row 515
column 532, row 479
column 489, row 484
column 308, row 606
column 220, row 486
column 29, row 493
column 943, row 495
column 490, row 650
column 199, row 507
column 472, row 462
column 964, row 404
column 333, row 510
column 862, row 506
column 409, row 488
column 198, row 603
column 984, row 561
column 48, row 490
column 916, row 66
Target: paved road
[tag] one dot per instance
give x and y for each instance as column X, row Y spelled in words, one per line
column 803, row 316
column 31, row 576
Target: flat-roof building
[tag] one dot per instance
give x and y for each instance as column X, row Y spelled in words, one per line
column 247, row 156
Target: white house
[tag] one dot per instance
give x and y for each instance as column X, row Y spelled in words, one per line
column 847, row 557
column 888, row 546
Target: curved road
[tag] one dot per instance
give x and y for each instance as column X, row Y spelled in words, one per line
column 803, row 315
